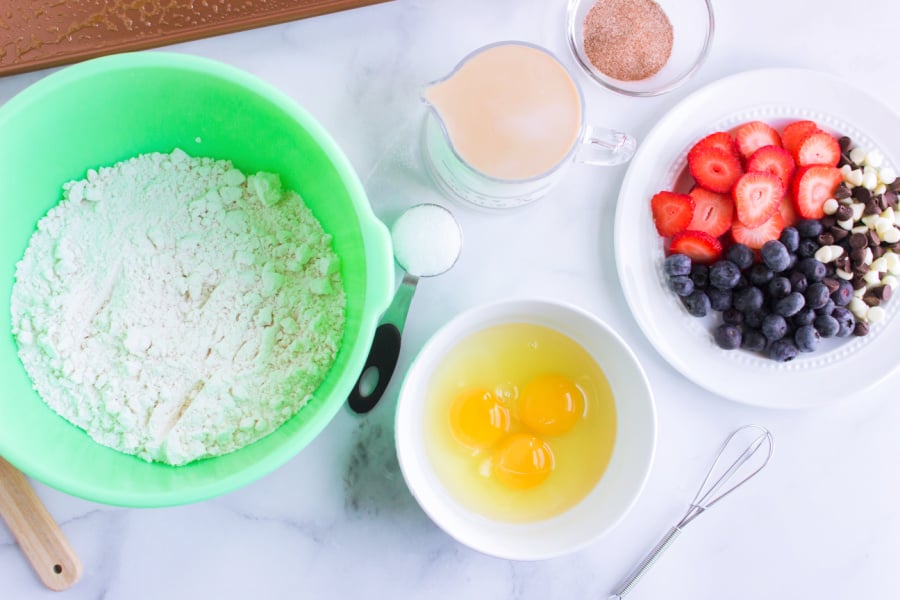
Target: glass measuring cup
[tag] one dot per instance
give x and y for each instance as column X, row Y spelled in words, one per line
column 427, row 242
column 503, row 127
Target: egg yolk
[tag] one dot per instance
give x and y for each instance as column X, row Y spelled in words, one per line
column 477, row 419
column 523, row 461
column 551, row 404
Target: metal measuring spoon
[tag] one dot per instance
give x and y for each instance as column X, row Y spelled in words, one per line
column 427, row 242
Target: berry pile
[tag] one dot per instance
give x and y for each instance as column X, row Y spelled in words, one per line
column 790, row 237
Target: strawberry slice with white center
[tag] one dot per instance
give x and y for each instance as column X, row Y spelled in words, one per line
column 671, row 212
column 813, row 185
column 819, row 148
column 794, row 133
column 719, row 139
column 753, row 135
column 714, row 168
column 757, row 197
column 699, row 245
column 755, row 237
column 713, row 213
column 774, row 160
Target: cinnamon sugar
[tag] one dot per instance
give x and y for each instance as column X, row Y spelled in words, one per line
column 627, row 39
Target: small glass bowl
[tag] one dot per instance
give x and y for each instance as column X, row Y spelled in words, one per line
column 692, row 27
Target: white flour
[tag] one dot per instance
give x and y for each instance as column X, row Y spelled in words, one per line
column 175, row 309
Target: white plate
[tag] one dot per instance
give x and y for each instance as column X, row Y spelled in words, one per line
column 839, row 368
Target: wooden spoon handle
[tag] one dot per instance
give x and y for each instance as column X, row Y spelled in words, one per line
column 38, row 535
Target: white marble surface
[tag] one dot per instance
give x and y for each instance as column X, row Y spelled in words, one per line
column 337, row 521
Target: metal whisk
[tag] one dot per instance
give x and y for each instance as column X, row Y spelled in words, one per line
column 712, row 490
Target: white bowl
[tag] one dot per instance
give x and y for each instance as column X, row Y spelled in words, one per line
column 613, row 495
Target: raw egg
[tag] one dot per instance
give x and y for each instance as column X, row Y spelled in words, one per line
column 520, row 422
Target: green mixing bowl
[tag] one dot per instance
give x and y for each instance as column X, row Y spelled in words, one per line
column 106, row 110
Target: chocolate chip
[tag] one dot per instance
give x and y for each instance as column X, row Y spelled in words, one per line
column 883, row 292
column 832, row 284
column 877, row 251
column 872, row 207
column 894, row 186
column 860, row 269
column 843, row 212
column 872, row 239
column 843, row 262
column 842, row 191
column 862, row 194
column 858, row 240
column 871, row 299
column 844, row 142
column 890, row 198
column 828, row 221
column 858, row 281
column 838, row 233
column 861, row 328
column 880, row 202
column 857, row 256
column 826, row 239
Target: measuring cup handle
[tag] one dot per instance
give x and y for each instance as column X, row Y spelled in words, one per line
column 383, row 358
column 605, row 147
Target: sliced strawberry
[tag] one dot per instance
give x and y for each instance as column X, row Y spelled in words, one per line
column 756, row 197
column 794, row 134
column 720, row 139
column 788, row 211
column 713, row 213
column 753, row 135
column 715, row 169
column 774, row 160
column 755, row 237
column 819, row 148
column 813, row 185
column 700, row 246
column 671, row 212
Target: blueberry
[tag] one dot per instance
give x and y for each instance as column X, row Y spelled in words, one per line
column 740, row 255
column 807, row 248
column 806, row 338
column 753, row 339
column 790, row 305
column 783, row 350
column 677, row 264
column 681, row 285
column 696, row 303
column 775, row 255
column 826, row 325
column 779, row 287
column 748, row 299
column 846, row 321
column 719, row 300
column 813, row 269
column 798, row 281
column 754, row 318
column 724, row 274
column 790, row 237
column 732, row 316
column 774, row 327
column 760, row 274
column 804, row 317
column 809, row 228
column 827, row 308
column 844, row 294
column 728, row 336
column 816, row 295
column 700, row 275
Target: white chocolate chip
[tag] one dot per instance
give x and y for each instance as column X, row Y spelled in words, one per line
column 874, row 159
column 827, row 254
column 858, row 155
column 887, row 175
column 893, row 263
column 882, row 225
column 859, row 293
column 860, row 229
column 870, row 220
column 879, row 189
column 869, row 257
column 854, row 177
column 880, row 264
column 830, row 207
column 858, row 308
column 872, row 277
column 870, row 180
column 891, row 281
column 888, row 213
column 875, row 314
column 848, row 224
column 858, row 209
column 843, row 274
column 891, row 236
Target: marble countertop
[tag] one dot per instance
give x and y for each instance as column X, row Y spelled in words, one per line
column 338, row 521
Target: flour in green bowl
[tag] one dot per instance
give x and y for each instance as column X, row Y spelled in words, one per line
column 176, row 309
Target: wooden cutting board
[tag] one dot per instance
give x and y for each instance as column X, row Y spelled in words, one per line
column 35, row 34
